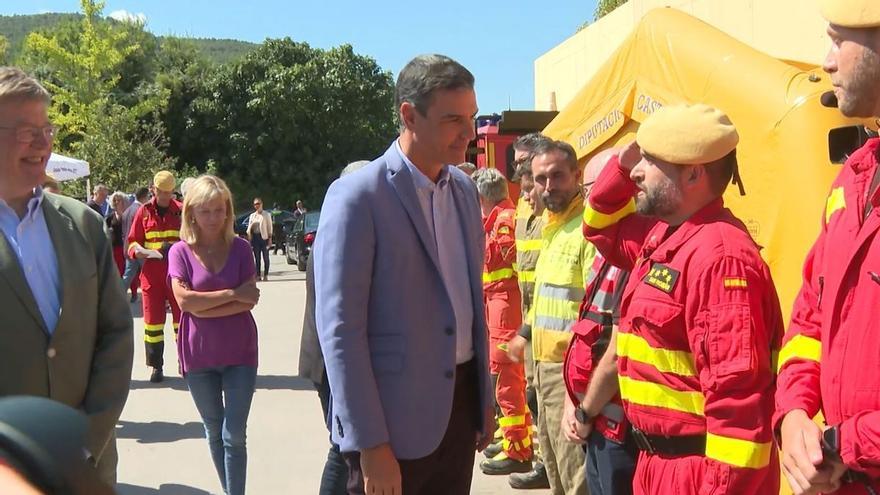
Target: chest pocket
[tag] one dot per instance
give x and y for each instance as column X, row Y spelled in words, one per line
column 663, row 321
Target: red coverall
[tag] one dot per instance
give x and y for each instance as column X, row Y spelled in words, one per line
column 700, row 320
column 595, row 324
column 504, row 317
column 151, row 231
column 829, row 360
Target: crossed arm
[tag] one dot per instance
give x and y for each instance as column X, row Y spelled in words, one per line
column 218, row 303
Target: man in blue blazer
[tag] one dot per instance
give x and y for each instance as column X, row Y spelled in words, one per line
column 398, row 266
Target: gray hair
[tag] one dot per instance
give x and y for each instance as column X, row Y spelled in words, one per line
column 425, row 74
column 467, row 167
column 184, row 186
column 352, row 167
column 561, row 147
column 117, row 196
column 527, row 143
column 491, row 184
column 15, row 84
column 99, row 187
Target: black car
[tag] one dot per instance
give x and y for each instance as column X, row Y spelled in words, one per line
column 300, row 237
column 279, row 218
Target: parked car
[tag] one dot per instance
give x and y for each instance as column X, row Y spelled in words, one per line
column 300, row 237
column 279, row 217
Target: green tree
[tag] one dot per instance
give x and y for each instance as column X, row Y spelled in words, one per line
column 603, row 8
column 4, row 50
column 283, row 121
column 96, row 71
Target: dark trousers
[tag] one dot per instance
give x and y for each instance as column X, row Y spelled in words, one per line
column 447, row 470
column 335, row 474
column 261, row 250
column 610, row 465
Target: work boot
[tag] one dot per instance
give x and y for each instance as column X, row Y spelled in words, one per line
column 156, row 376
column 533, row 480
column 501, row 464
column 492, row 450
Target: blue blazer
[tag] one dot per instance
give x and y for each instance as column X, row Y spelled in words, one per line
column 383, row 312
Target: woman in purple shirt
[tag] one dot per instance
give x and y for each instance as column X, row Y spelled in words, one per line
column 214, row 281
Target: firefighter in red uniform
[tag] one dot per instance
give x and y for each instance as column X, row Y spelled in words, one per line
column 699, row 315
column 156, row 226
column 504, row 318
column 829, row 358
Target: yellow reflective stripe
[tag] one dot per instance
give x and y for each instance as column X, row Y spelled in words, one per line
column 153, row 245
column 520, row 445
column 498, row 275
column 800, row 347
column 526, row 276
column 162, row 233
column 738, row 452
column 836, row 201
column 666, row 361
column 507, row 422
column 528, row 244
column 154, row 340
column 599, row 220
column 154, row 326
column 656, row 395
column 132, row 245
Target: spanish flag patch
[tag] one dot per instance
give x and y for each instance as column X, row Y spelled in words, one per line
column 735, row 283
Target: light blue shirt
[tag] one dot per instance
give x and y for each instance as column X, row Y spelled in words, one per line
column 30, row 240
column 444, row 222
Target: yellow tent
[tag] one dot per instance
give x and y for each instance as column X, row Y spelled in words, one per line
column 791, row 146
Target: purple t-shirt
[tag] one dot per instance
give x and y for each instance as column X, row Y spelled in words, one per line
column 209, row 342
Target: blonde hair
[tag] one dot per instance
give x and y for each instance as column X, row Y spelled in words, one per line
column 15, row 84
column 203, row 189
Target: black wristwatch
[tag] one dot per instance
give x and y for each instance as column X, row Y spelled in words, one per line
column 581, row 415
column 831, row 443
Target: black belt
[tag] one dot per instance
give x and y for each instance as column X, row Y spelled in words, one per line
column 674, row 446
column 861, row 478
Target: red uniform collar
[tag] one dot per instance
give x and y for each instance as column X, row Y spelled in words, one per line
column 489, row 221
column 173, row 207
column 659, row 247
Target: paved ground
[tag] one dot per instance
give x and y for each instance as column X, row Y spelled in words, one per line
column 162, row 448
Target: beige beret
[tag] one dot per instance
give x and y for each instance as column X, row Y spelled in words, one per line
column 687, row 134
column 164, row 181
column 851, row 13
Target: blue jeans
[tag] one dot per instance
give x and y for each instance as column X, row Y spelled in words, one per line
column 132, row 269
column 261, row 250
column 225, row 425
column 610, row 465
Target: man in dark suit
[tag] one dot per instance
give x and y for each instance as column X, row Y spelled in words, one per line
column 66, row 327
column 398, row 279
column 311, row 366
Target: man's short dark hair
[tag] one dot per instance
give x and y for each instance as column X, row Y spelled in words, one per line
column 561, row 147
column 141, row 194
column 721, row 172
column 424, row 75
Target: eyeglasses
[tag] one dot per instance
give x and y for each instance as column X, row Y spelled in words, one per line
column 586, row 186
column 28, row 133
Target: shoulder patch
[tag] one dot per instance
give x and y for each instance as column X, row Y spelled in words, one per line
column 662, row 277
column 504, row 229
column 735, row 283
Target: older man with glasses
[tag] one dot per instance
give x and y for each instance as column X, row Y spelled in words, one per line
column 67, row 328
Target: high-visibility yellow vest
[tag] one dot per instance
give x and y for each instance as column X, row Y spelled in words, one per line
column 528, row 247
column 560, row 278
